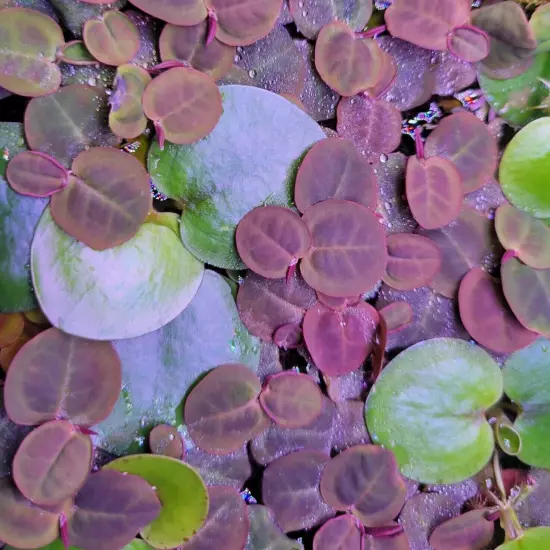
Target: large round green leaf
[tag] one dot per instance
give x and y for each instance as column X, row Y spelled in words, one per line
column 122, row 292
column 181, row 491
column 159, row 368
column 19, row 216
column 525, row 169
column 249, row 159
column 527, row 382
column 428, row 407
column 537, row 538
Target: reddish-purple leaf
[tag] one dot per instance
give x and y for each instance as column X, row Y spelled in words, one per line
column 60, row 376
column 177, row 12
column 23, row 524
column 184, row 103
column 288, row 336
column 222, row 412
column 113, row 39
column 468, row 43
column 270, row 239
column 106, row 200
column 266, row 304
column 291, row 399
column 373, row 125
column 517, row 231
column 349, row 253
column 338, row 303
column 469, row 241
column 395, row 542
column 486, row 315
column 413, row 261
column 366, row 481
column 334, row 169
column 387, row 77
column 110, row 509
column 340, row 341
column 426, row 23
column 465, row 140
column 469, row 531
column 527, row 291
column 290, row 487
column 36, row 174
column 397, row 315
column 75, row 53
column 434, row 191
column 348, row 63
column 166, row 440
column 52, row 463
column 227, row 523
column 340, row 533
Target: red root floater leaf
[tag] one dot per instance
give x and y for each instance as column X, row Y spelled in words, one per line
column 469, row 531
column 397, row 315
column 212, row 26
column 339, row 533
column 288, row 336
column 468, row 43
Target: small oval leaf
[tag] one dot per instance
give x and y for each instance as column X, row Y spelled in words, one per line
column 469, row 531
column 468, row 43
column 166, row 440
column 340, row 533
column 177, row 12
column 397, row 315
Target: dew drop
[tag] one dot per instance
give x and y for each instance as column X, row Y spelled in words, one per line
column 252, row 73
column 237, row 58
column 383, row 158
column 92, row 81
column 301, row 4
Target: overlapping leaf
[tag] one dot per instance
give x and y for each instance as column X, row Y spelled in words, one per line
column 177, row 12
column 166, row 440
column 340, row 533
column 397, row 315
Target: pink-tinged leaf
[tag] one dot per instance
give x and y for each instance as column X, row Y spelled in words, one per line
column 55, row 375
column 227, row 523
column 36, row 174
column 397, row 542
column 340, row 533
column 374, row 126
column 186, row 103
column 468, row 43
column 528, row 237
column 290, row 487
column 390, row 530
column 22, row 523
column 469, row 531
column 346, row 62
column 387, row 77
column 434, row 191
column 222, row 412
column 334, row 169
column 379, row 351
column 266, row 304
column 338, row 303
column 349, row 252
column 188, row 44
column 64, row 530
column 426, row 23
column 340, row 341
column 113, row 39
column 76, row 53
column 413, row 261
column 288, row 336
column 397, row 315
column 365, row 480
column 166, row 440
column 177, row 12
column 465, row 140
column 469, row 241
column 171, row 64
column 212, row 27
column 106, row 200
column 269, row 238
column 486, row 315
column 291, row 399
column 527, row 291
column 243, row 23
column 110, row 509
column 52, row 463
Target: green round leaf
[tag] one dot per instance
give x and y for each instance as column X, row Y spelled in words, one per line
column 527, row 382
column 19, row 216
column 532, row 539
column 90, row 294
column 428, row 408
column 181, row 491
column 216, row 193
column 525, row 167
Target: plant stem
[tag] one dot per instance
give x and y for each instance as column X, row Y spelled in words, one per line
column 498, row 476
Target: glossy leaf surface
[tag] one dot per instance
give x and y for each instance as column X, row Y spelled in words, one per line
column 52, row 463
column 349, row 253
column 469, row 531
column 469, row 43
column 340, row 533
column 166, row 440
column 365, row 480
column 290, row 487
column 180, row 490
column 334, row 169
column 56, row 375
column 487, row 316
column 340, row 341
column 291, row 399
column 177, row 12
column 397, row 315
column 433, row 389
column 222, row 411
column 413, row 261
column 270, row 239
